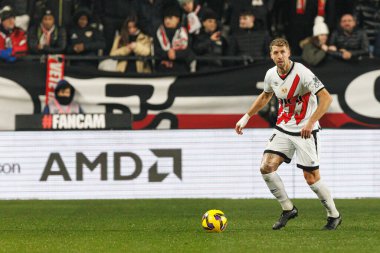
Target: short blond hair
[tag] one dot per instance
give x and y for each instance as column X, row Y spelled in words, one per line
column 279, row 42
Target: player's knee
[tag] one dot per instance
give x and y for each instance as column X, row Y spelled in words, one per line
column 310, row 179
column 267, row 168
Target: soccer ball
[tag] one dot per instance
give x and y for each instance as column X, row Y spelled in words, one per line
column 214, row 221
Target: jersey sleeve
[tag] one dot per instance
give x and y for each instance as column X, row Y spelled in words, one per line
column 267, row 85
column 311, row 82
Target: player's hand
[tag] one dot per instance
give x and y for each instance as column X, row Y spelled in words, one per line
column 306, row 130
column 241, row 124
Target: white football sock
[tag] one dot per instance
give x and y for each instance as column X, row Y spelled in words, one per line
column 324, row 196
column 277, row 188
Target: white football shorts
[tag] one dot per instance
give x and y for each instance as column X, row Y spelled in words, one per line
column 285, row 145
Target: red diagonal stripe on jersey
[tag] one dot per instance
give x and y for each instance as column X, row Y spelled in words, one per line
column 294, row 86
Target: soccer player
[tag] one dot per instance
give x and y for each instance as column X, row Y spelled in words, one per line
column 296, row 130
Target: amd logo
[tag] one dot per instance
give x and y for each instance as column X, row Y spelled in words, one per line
column 101, row 161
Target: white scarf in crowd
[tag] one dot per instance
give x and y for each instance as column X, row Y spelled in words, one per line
column 46, row 35
column 179, row 42
column 193, row 23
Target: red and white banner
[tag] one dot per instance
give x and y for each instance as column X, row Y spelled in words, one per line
column 193, row 101
column 54, row 72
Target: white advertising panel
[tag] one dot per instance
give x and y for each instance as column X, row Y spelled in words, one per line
column 175, row 164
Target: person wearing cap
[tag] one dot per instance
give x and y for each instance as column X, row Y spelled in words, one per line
column 315, row 48
column 249, row 40
column 13, row 40
column 172, row 44
column 47, row 37
column 348, row 42
column 84, row 39
column 63, row 101
column 209, row 42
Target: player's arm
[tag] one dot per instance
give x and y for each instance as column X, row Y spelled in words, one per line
column 325, row 100
column 256, row 106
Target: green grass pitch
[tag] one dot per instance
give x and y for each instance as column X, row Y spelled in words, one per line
column 174, row 225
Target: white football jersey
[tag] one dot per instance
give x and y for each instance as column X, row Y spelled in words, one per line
column 296, row 93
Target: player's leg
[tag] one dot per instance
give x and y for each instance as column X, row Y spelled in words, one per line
column 313, row 179
column 268, row 168
column 276, row 152
column 308, row 160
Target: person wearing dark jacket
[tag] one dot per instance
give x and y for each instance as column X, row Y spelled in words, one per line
column 260, row 9
column 171, row 44
column 300, row 15
column 46, row 37
column 149, row 14
column 12, row 39
column 249, row 40
column 209, row 42
column 349, row 42
column 376, row 51
column 63, row 101
column 112, row 14
column 84, row 39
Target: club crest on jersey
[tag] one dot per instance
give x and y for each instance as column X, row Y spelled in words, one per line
column 284, row 90
column 317, row 83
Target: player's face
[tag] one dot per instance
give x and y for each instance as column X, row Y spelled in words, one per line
column 280, row 55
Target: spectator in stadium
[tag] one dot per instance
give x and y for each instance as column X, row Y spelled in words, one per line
column 249, row 40
column 112, row 15
column 376, row 51
column 191, row 18
column 84, row 39
column 149, row 14
column 260, row 9
column 218, row 6
column 209, row 42
column 13, row 41
column 348, row 41
column 132, row 42
column 47, row 37
column 300, row 15
column 172, row 44
column 21, row 10
column 315, row 48
column 335, row 9
column 63, row 102
column 367, row 13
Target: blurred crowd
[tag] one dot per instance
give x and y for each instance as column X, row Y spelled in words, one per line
column 187, row 35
